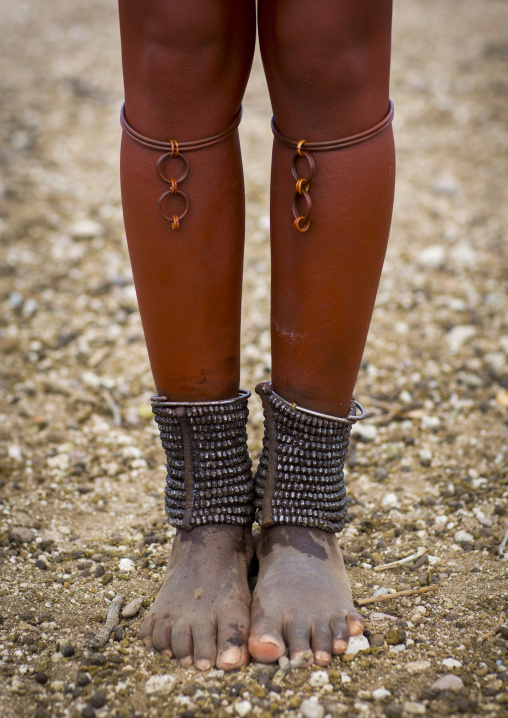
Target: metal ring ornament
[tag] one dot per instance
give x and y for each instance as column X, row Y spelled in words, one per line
column 299, row 218
column 159, row 167
column 174, row 218
column 311, row 163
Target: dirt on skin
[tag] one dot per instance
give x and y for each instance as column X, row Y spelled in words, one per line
column 81, row 465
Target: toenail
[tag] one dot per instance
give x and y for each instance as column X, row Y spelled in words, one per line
column 322, row 656
column 268, row 639
column 203, row 664
column 147, row 642
column 340, row 645
column 186, row 661
column 166, row 653
column 231, row 655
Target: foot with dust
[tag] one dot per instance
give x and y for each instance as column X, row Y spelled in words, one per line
column 201, row 612
column 302, row 598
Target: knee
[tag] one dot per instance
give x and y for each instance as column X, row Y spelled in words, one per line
column 323, row 61
column 176, row 34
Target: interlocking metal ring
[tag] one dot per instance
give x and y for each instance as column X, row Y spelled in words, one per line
column 170, row 155
column 174, row 218
column 302, row 221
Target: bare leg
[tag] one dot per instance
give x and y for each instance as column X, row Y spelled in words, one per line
column 186, row 64
column 327, row 66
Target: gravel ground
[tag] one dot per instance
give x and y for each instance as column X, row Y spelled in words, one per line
column 81, row 513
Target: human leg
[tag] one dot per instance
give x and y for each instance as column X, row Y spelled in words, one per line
column 186, row 64
column 327, row 66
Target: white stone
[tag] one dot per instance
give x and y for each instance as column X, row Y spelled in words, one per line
column 132, row 608
column 463, row 537
column 344, row 678
column 459, row 335
column 430, row 422
column 243, row 708
column 417, row 666
column 379, row 694
column 364, row 432
column 160, row 684
column 398, row 648
column 381, row 591
column 378, row 616
column 425, row 457
column 431, row 257
column 451, row 663
column 357, row 644
column 311, row 709
column 15, row 452
column 318, row 679
column 85, row 228
column 23, row 534
column 390, row 501
column 126, row 564
column 413, row 708
column 450, row 682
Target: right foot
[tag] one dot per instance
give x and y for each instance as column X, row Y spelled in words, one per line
column 201, row 612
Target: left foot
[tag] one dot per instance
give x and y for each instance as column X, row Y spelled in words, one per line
column 302, row 598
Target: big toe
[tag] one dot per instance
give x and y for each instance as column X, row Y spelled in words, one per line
column 265, row 640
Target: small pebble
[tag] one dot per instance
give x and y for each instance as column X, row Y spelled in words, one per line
column 390, row 501
column 68, row 650
column 243, row 708
column 344, row 677
column 449, row 682
column 311, row 709
column 126, row 564
column 41, row 677
column 451, row 663
column 21, row 534
column 357, row 644
column 88, row 712
column 379, row 694
column 118, row 634
column 132, row 608
column 463, row 537
column 364, row 432
column 99, row 571
column 98, row 700
column 376, row 639
column 160, row 684
column 417, row 666
column 41, row 564
column 413, row 708
column 83, row 679
column 318, row 679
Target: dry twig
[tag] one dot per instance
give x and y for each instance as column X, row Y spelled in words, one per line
column 502, row 545
column 414, row 556
column 112, row 620
column 397, row 594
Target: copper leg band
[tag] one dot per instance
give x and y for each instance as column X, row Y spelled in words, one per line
column 209, row 478
column 304, row 148
column 174, row 150
column 300, row 477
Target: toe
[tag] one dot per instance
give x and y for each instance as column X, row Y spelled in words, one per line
column 322, row 644
column 161, row 636
column 181, row 643
column 204, row 639
column 265, row 642
column 146, row 629
column 232, row 638
column 340, row 635
column 355, row 623
column 298, row 637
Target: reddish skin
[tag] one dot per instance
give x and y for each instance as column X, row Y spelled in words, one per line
column 186, row 64
column 327, row 66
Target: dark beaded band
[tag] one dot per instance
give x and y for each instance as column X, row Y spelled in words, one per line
column 300, row 477
column 209, row 477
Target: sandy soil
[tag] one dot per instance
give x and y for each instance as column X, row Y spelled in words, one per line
column 81, row 467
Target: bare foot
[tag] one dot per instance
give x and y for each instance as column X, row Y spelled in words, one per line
column 201, row 612
column 302, row 598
